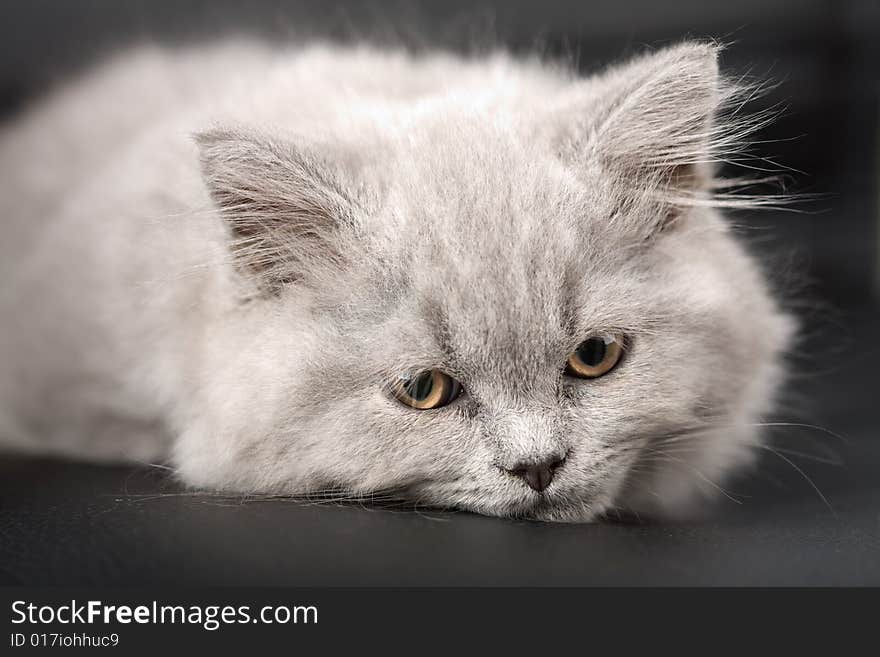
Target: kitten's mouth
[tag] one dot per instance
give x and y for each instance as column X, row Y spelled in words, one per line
column 552, row 505
column 589, row 502
column 547, row 511
column 546, row 506
column 571, row 497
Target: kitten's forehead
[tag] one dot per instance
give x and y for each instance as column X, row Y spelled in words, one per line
column 484, row 187
column 492, row 241
column 507, row 301
column 498, row 241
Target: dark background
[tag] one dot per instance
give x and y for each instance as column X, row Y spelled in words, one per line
column 810, row 515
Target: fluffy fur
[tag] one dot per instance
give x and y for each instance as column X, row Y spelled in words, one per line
column 221, row 256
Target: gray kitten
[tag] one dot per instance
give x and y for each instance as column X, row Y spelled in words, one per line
column 474, row 283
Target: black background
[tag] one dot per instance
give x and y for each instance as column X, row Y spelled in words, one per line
column 71, row 524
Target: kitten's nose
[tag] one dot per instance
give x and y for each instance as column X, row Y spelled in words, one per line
column 537, row 475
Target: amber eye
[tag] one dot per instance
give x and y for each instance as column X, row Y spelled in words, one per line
column 427, row 389
column 594, row 357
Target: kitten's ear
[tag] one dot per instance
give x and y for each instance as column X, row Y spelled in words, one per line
column 649, row 123
column 289, row 214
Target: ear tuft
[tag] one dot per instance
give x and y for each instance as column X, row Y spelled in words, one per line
column 661, row 112
column 653, row 125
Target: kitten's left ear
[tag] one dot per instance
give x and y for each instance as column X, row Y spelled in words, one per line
column 649, row 123
column 290, row 214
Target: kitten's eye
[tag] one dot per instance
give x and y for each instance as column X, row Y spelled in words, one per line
column 594, row 357
column 427, row 389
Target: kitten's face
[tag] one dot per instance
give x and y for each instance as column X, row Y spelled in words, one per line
column 497, row 290
column 490, row 261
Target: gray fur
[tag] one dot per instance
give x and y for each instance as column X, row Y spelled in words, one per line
column 239, row 302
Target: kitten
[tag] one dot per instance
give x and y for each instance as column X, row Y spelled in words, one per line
column 474, row 283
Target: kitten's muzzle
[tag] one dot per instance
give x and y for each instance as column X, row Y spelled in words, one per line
column 537, row 475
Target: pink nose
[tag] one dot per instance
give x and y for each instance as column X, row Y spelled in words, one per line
column 537, row 475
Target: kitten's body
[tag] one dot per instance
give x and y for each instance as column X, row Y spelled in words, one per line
column 484, row 230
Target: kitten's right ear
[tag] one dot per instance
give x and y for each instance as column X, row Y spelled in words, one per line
column 289, row 214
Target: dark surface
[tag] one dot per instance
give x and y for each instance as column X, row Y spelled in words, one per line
column 71, row 524
column 83, row 526
column 63, row 523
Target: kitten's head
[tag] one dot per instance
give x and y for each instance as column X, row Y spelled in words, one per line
column 525, row 305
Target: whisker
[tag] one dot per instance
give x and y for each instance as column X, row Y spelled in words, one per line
column 804, row 475
column 802, row 425
column 812, row 457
